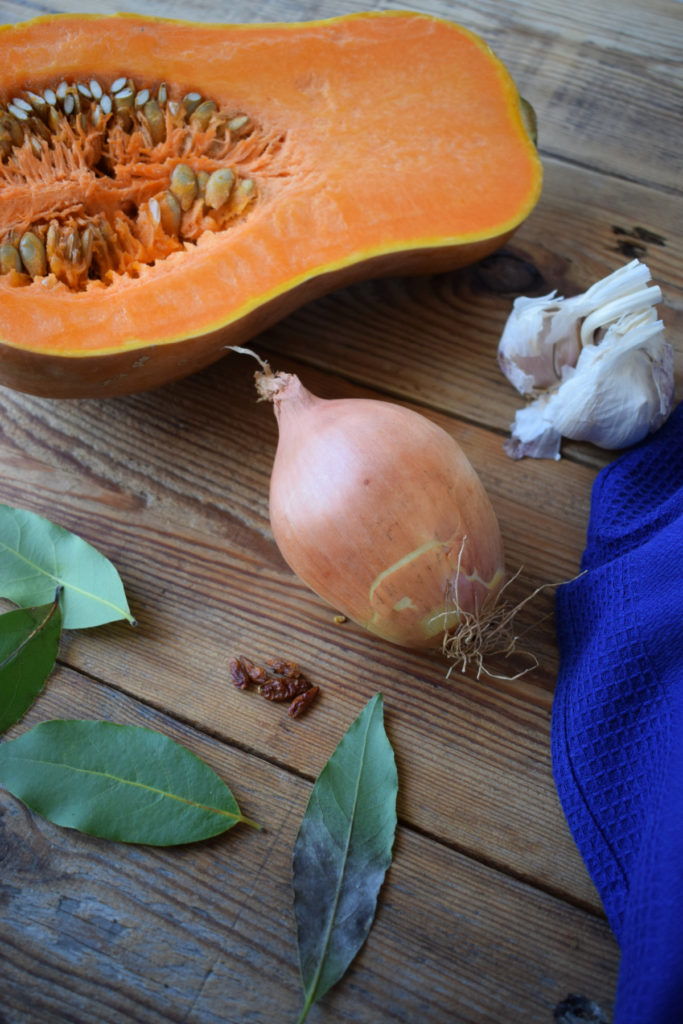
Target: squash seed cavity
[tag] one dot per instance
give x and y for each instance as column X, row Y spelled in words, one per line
column 97, row 180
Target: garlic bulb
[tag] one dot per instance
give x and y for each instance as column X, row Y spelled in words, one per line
column 597, row 365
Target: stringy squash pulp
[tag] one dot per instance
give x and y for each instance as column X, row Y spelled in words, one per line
column 169, row 189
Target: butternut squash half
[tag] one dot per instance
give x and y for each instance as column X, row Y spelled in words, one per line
column 169, row 189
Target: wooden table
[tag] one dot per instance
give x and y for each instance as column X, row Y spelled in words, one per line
column 487, row 913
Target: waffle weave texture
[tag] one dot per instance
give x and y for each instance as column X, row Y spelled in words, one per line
column 617, row 719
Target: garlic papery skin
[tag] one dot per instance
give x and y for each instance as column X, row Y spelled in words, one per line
column 540, row 337
column 534, row 434
column 620, row 390
column 597, row 364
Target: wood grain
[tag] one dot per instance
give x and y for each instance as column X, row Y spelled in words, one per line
column 109, row 932
column 488, row 913
column 190, row 625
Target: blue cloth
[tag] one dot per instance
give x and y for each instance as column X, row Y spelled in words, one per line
column 617, row 718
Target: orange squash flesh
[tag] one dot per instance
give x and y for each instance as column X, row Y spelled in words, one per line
column 399, row 146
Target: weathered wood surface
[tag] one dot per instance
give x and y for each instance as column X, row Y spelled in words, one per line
column 487, row 913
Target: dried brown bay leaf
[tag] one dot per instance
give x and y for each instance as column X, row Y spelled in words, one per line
column 120, row 782
column 342, row 852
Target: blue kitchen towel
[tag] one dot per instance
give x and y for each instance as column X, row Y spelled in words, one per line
column 617, row 719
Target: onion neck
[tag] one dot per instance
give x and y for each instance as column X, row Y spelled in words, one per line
column 282, row 389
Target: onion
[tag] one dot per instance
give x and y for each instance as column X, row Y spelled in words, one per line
column 378, row 510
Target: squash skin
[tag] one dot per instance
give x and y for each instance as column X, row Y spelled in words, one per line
column 47, row 350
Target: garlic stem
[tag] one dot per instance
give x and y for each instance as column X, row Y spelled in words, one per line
column 626, row 279
column 611, row 311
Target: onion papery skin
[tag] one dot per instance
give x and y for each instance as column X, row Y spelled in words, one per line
column 378, row 510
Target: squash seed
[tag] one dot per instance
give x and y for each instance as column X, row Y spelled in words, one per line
column 52, row 120
column 40, row 129
column 38, row 104
column 202, row 178
column 156, row 122
column 190, row 102
column 36, row 147
column 13, row 127
column 245, row 191
column 72, row 246
column 165, row 210
column 52, row 242
column 32, row 253
column 218, row 187
column 201, row 117
column 22, row 104
column 87, row 240
column 123, row 99
column 10, row 258
column 184, row 185
column 237, row 124
column 17, row 112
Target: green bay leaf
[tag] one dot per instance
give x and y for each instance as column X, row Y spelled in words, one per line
column 126, row 783
column 343, row 850
column 37, row 556
column 29, row 640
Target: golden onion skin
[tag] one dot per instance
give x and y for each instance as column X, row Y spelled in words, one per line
column 378, row 510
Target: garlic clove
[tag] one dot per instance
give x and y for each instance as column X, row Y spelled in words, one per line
column 621, row 389
column 541, row 336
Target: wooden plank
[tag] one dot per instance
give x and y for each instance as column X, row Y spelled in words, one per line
column 205, row 933
column 605, row 82
column 488, row 912
column 206, row 583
